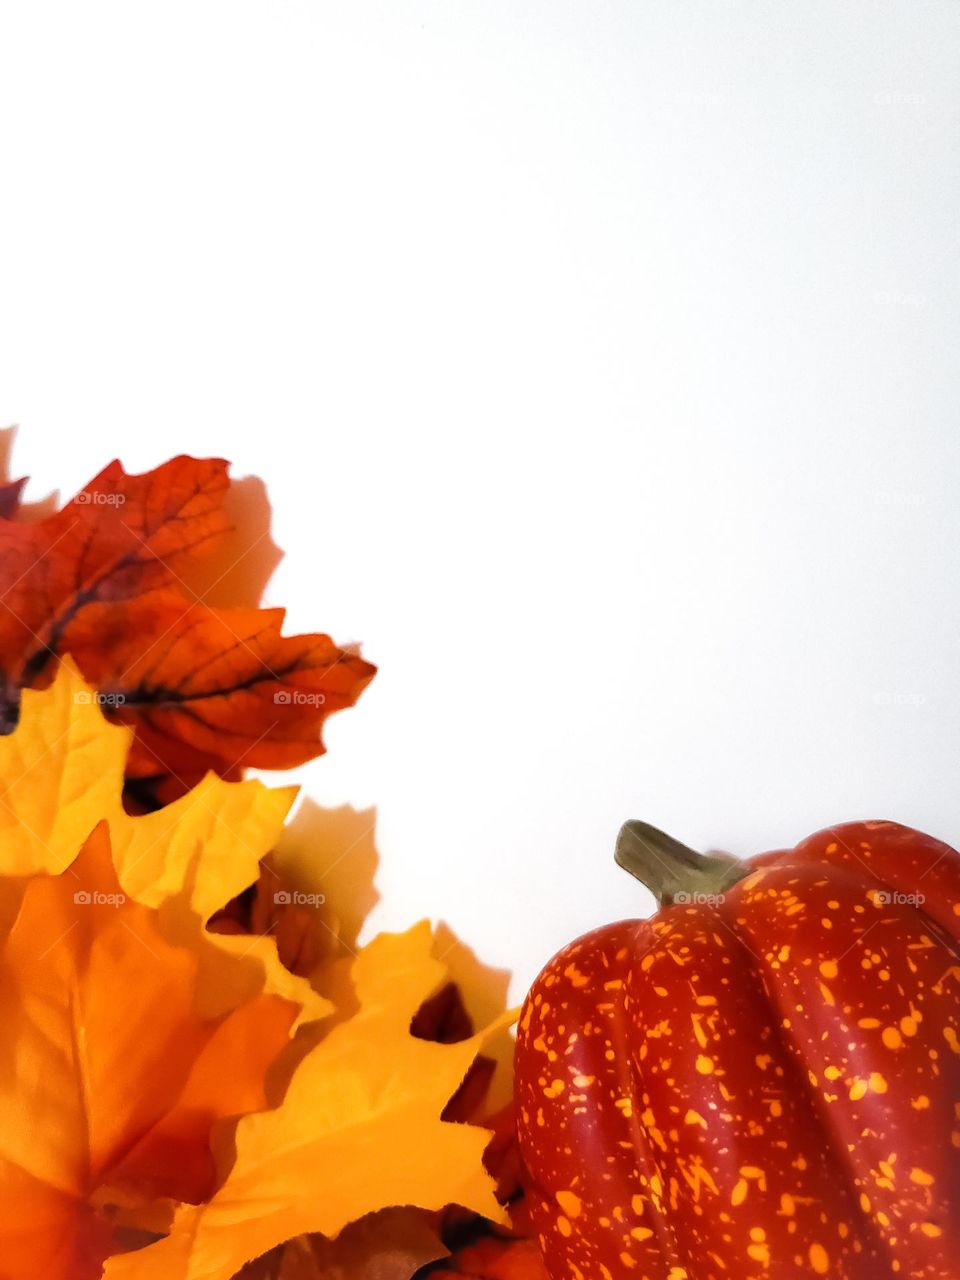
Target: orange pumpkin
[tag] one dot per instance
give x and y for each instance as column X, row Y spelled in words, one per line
column 760, row 1081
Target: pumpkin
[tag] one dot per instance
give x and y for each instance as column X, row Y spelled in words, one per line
column 760, row 1081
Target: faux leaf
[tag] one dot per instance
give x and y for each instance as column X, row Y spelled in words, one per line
column 390, row 1245
column 106, row 579
column 61, row 773
column 493, row 1259
column 158, row 1113
column 358, row 1130
column 120, row 1051
column 223, row 684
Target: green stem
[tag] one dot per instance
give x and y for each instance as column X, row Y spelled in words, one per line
column 672, row 871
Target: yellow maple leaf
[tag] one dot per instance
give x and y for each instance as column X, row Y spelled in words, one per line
column 137, row 1043
column 114, row 1064
column 358, row 1130
column 61, row 772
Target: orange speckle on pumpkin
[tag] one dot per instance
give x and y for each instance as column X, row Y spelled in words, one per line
column 819, row 1259
column 575, row 977
column 569, row 1203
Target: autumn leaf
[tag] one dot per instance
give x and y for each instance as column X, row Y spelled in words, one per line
column 223, row 684
column 123, row 1046
column 314, row 893
column 358, row 1130
column 10, row 494
column 390, row 1245
column 106, row 579
column 400, row 1244
column 62, row 772
column 149, row 1085
column 196, row 1082
column 493, row 1259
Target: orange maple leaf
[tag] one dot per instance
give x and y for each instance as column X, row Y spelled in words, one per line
column 390, row 1245
column 106, row 579
column 115, row 1098
column 157, row 1114
column 130, row 1032
column 359, row 1129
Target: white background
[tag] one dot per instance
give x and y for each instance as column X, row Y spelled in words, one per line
column 601, row 362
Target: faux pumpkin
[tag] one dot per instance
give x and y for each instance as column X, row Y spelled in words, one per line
column 761, row 1081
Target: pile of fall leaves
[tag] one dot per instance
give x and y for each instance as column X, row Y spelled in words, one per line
column 203, row 1075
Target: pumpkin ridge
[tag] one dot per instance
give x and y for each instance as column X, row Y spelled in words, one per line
column 641, row 1143
column 871, row 1237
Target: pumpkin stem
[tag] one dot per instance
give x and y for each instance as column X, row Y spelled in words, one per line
column 671, row 871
